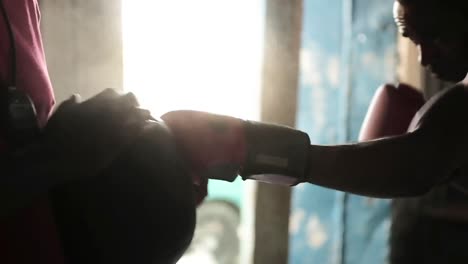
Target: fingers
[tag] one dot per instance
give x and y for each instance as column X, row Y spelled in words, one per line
column 73, row 100
column 70, row 102
column 144, row 113
column 108, row 93
column 128, row 100
column 137, row 116
column 133, row 125
column 106, row 99
column 115, row 108
column 114, row 101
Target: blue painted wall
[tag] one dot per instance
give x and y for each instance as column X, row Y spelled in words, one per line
column 348, row 50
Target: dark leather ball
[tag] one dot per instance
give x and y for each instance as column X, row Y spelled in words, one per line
column 139, row 210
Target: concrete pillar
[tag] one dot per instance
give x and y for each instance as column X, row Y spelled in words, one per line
column 279, row 95
column 83, row 45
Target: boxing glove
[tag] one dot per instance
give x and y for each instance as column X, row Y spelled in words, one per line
column 391, row 110
column 222, row 147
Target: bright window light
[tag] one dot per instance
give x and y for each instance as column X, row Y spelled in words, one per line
column 201, row 55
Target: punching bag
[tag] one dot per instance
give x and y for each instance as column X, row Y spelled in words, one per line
column 139, row 210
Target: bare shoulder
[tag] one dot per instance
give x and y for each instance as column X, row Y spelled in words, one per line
column 447, row 109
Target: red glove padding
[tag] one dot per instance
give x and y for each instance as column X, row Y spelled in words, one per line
column 211, row 144
column 391, row 111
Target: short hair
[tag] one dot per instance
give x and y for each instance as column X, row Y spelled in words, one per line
column 455, row 5
column 454, row 10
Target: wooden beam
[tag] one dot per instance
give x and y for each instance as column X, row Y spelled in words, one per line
column 83, row 45
column 279, row 104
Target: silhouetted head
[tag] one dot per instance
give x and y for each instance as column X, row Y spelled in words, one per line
column 440, row 30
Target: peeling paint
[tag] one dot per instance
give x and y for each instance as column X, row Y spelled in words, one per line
column 387, row 225
column 295, row 220
column 389, row 62
column 369, row 59
column 310, row 69
column 316, row 234
column 362, row 38
column 318, row 105
column 352, row 230
column 333, row 71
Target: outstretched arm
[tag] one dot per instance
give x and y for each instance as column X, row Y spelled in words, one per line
column 405, row 165
column 390, row 167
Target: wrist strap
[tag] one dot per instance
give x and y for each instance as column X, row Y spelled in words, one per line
column 275, row 152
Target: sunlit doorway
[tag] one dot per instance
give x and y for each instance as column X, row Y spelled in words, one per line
column 202, row 55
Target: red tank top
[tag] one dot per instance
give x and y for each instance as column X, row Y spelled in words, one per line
column 30, row 235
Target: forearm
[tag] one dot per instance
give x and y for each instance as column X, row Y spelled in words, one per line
column 406, row 165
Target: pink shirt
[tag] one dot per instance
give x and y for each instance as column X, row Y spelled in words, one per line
column 30, row 236
column 32, row 75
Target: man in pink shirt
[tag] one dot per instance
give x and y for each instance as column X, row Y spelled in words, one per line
column 91, row 133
